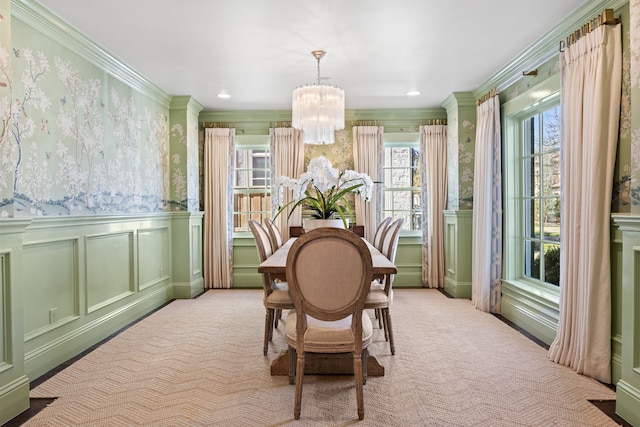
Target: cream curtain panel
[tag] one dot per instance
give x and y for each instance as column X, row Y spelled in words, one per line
column 486, row 241
column 433, row 150
column 287, row 159
column 219, row 152
column 591, row 84
column 368, row 158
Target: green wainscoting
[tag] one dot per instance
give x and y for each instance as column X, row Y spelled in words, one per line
column 66, row 283
column 245, row 262
column 457, row 253
column 14, row 383
column 628, row 385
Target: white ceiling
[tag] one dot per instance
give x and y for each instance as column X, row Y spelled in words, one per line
column 259, row 50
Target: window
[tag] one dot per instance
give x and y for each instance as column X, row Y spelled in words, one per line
column 401, row 188
column 251, row 187
column 541, row 196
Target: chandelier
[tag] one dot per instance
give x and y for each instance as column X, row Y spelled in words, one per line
column 318, row 110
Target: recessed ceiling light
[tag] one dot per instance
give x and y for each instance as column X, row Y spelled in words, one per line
column 413, row 93
column 224, row 95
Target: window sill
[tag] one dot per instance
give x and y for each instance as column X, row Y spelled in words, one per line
column 540, row 292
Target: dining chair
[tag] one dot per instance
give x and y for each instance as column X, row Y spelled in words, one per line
column 380, row 295
column 330, row 272
column 275, row 236
column 379, row 234
column 276, row 293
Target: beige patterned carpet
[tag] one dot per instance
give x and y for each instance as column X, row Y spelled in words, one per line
column 199, row 363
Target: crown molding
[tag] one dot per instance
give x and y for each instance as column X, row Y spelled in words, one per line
column 186, row 102
column 34, row 14
column 547, row 46
column 257, row 122
column 459, row 99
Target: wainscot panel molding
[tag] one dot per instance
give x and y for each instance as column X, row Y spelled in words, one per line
column 616, row 255
column 86, row 277
column 628, row 387
column 186, row 254
column 457, row 249
column 14, row 383
column 245, row 262
column 68, row 282
column 409, row 262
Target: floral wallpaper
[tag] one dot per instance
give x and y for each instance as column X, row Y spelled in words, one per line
column 453, row 191
column 340, row 154
column 79, row 140
column 633, row 34
column 466, row 157
column 6, row 82
column 461, row 145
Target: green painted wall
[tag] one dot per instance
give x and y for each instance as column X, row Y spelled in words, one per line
column 85, row 245
column 72, row 174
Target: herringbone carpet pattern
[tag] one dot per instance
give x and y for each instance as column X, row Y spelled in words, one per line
column 199, row 363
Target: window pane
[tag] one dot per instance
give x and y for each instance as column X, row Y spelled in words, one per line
column 532, row 259
column 529, row 223
column 536, row 176
column 540, row 164
column 401, row 177
column 401, row 191
column 252, row 198
column 417, row 200
column 552, row 264
column 551, row 129
column 551, row 173
column 552, row 219
column 535, row 127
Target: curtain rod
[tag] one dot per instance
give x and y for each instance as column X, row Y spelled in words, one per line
column 280, row 124
column 364, row 123
column 493, row 92
column 434, row 122
column 605, row 18
column 220, row 125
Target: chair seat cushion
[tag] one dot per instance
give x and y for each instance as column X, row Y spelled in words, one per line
column 377, row 298
column 328, row 337
column 279, row 298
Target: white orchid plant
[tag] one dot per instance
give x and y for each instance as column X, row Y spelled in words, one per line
column 324, row 190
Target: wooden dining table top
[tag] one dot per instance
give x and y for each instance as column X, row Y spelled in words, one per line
column 277, row 263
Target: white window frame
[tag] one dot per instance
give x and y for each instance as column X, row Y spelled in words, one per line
column 538, row 99
column 401, row 140
column 250, row 142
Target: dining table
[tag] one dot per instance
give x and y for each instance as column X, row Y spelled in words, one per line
column 327, row 364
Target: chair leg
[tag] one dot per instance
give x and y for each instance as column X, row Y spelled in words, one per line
column 273, row 320
column 267, row 330
column 379, row 317
column 383, row 316
column 357, row 370
column 277, row 317
column 365, row 365
column 299, row 379
column 292, row 365
column 387, row 318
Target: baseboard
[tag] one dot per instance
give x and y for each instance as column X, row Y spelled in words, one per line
column 628, row 402
column 186, row 290
column 59, row 349
column 457, row 289
column 528, row 320
column 14, row 399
